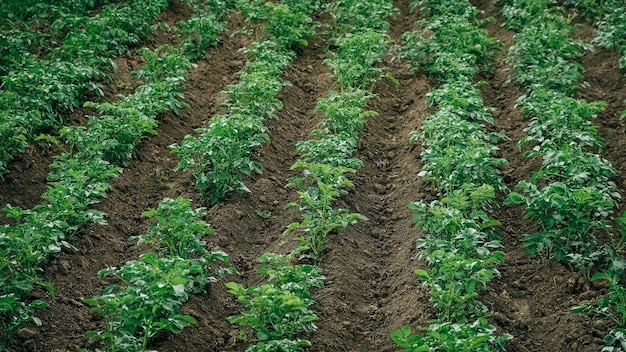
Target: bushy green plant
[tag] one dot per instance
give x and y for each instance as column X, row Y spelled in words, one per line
column 279, row 309
column 479, row 336
column 319, row 188
column 148, row 298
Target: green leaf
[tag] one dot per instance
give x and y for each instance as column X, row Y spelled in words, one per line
column 515, row 198
column 179, row 290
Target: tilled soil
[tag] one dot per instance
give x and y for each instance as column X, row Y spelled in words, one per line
column 370, row 289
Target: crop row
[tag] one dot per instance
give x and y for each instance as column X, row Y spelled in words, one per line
column 79, row 179
column 222, row 154
column 460, row 160
column 37, row 93
column 572, row 195
column 279, row 309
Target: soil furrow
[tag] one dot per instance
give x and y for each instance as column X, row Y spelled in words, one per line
column 143, row 185
column 371, row 289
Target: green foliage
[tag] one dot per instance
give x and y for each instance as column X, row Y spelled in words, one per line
column 279, row 309
column 450, row 48
column 148, row 298
column 354, row 16
column 222, row 155
column 206, row 23
column 478, row 336
column 146, row 302
column 178, row 229
column 544, row 55
column 353, row 65
column 319, row 188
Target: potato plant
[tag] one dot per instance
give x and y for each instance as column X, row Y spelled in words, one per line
column 151, row 290
column 278, row 310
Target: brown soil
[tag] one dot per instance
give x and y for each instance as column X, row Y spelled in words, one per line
column 370, row 289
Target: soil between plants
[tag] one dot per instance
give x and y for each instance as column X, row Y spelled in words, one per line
column 370, row 289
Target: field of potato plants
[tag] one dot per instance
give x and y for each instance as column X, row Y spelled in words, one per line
column 313, row 175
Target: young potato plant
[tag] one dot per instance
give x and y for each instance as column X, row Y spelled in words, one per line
column 350, row 16
column 221, row 161
column 559, row 120
column 479, row 336
column 449, row 48
column 354, row 63
column 321, row 185
column 151, row 290
column 543, row 55
column 206, row 23
column 279, row 309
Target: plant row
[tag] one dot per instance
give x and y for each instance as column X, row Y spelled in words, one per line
column 460, row 160
column 37, row 93
column 278, row 311
column 223, row 152
column 572, row 195
column 146, row 297
column 79, row 179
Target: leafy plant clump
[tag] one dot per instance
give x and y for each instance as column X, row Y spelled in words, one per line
column 279, row 309
column 147, row 299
